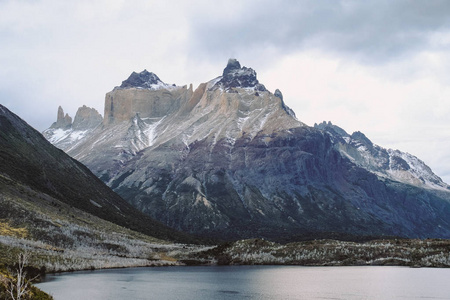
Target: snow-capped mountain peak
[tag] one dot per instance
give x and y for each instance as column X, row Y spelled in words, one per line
column 235, row 76
column 230, row 160
column 144, row 80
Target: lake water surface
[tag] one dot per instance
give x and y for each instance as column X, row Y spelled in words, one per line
column 251, row 282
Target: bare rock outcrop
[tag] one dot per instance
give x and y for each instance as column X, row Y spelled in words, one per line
column 123, row 103
column 63, row 133
column 236, row 76
column 62, row 121
column 145, row 79
column 86, row 118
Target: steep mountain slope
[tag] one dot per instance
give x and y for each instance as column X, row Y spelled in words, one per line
column 29, row 162
column 231, row 160
column 60, row 237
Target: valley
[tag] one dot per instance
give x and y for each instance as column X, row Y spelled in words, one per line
column 223, row 174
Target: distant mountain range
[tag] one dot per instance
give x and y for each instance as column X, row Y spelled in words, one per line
column 231, row 160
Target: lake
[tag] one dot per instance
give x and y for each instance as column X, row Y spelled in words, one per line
column 251, row 282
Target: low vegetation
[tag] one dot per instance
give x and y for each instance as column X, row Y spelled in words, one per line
column 77, row 241
column 7, row 230
column 414, row 253
column 57, row 237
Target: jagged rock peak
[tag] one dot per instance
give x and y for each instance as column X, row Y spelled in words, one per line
column 86, row 118
column 278, row 94
column 235, row 76
column 285, row 107
column 330, row 127
column 62, row 121
column 145, row 80
column 233, row 64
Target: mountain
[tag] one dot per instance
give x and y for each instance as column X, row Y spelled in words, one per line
column 231, row 160
column 385, row 163
column 30, row 165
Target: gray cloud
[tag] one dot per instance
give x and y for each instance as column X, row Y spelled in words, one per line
column 370, row 31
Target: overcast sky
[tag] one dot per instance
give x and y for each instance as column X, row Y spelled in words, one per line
column 379, row 67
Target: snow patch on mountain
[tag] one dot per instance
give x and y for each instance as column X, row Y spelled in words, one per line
column 63, row 138
column 142, row 133
column 56, row 135
column 386, row 163
column 158, row 86
column 417, row 171
column 151, row 132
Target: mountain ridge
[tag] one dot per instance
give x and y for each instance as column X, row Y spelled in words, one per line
column 230, row 159
column 389, row 163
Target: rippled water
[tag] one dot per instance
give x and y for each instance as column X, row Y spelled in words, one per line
column 252, row 282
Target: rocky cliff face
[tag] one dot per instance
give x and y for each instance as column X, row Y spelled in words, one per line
column 230, row 160
column 123, row 104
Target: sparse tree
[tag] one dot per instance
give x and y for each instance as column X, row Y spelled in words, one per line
column 18, row 286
